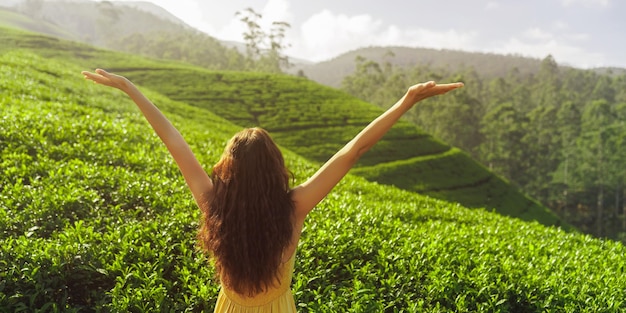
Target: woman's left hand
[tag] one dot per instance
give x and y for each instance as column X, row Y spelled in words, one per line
column 108, row 79
column 429, row 89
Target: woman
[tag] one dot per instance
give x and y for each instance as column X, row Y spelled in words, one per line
column 251, row 219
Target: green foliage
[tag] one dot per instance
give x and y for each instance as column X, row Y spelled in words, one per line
column 312, row 121
column 316, row 121
column 264, row 48
column 557, row 135
column 94, row 217
column 488, row 65
column 474, row 185
column 182, row 45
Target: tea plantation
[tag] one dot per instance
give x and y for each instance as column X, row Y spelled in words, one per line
column 312, row 120
column 94, row 216
column 315, row 121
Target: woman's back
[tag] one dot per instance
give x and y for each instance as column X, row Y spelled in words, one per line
column 276, row 299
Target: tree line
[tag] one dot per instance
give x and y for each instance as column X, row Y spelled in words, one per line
column 558, row 134
column 263, row 47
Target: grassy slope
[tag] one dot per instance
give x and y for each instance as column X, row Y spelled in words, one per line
column 93, row 214
column 314, row 121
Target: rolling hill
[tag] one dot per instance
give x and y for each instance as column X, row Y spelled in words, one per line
column 94, row 215
column 318, row 125
column 16, row 20
column 135, row 27
column 93, row 22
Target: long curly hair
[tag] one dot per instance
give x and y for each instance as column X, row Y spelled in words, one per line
column 248, row 221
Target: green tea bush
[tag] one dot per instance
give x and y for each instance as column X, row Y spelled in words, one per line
column 309, row 119
column 95, row 217
column 474, row 185
column 315, row 121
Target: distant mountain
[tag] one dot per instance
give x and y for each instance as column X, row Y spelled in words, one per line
column 12, row 19
column 333, row 71
column 156, row 10
column 37, row 6
column 611, row 71
column 99, row 22
column 136, row 27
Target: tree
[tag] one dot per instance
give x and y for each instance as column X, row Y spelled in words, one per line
column 503, row 129
column 541, row 143
column 559, row 135
column 568, row 123
column 254, row 36
column 264, row 50
column 458, row 117
column 619, row 85
column 595, row 171
column 365, row 81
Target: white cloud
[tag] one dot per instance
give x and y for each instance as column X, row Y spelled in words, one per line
column 492, row 5
column 277, row 10
column 587, row 3
column 560, row 25
column 562, row 52
column 563, row 47
column 326, row 34
column 578, row 37
column 537, row 34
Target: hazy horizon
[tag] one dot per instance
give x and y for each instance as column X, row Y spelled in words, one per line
column 579, row 33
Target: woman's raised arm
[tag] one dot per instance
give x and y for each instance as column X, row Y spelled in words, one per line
column 311, row 192
column 195, row 176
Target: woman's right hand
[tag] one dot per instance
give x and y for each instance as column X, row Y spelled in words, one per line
column 103, row 77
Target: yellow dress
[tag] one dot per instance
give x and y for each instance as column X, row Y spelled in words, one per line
column 275, row 300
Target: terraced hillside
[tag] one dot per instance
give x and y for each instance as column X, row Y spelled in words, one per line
column 314, row 121
column 94, row 217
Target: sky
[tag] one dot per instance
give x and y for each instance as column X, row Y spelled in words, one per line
column 579, row 33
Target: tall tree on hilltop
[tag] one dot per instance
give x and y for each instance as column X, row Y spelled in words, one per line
column 463, row 112
column 547, row 85
column 264, row 49
column 503, row 129
column 620, row 159
column 254, row 35
column 542, row 146
column 540, row 137
column 594, row 149
column 367, row 78
column 568, row 122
